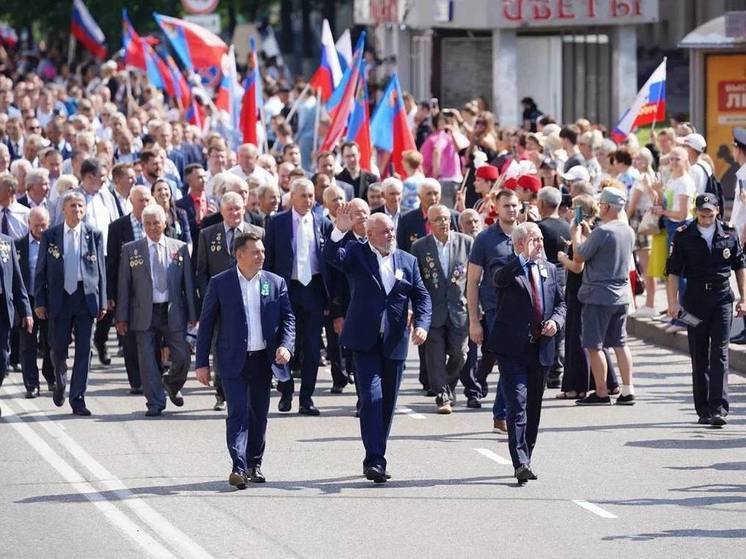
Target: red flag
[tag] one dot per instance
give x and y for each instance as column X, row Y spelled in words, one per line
column 251, row 99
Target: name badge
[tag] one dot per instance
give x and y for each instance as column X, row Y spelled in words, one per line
column 726, row 253
column 399, row 274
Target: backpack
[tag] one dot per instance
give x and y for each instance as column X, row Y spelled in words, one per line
column 714, row 187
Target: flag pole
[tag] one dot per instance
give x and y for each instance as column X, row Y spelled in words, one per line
column 294, row 109
column 71, row 50
column 316, row 121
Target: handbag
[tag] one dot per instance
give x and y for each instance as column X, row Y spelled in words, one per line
column 649, row 224
column 635, row 279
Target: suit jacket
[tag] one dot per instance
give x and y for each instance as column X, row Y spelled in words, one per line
column 14, row 153
column 511, row 331
column 223, row 309
column 135, row 291
column 120, row 233
column 360, row 184
column 50, row 270
column 368, row 299
column 26, row 201
column 280, row 249
column 11, row 279
column 411, row 227
column 447, row 288
column 178, row 159
column 187, row 204
column 213, row 219
column 212, row 253
column 108, row 198
column 339, row 289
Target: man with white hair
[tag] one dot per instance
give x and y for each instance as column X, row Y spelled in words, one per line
column 156, row 300
column 37, row 190
column 13, row 216
column 294, row 241
column 247, row 156
column 530, row 311
column 269, row 200
column 392, row 193
column 230, row 182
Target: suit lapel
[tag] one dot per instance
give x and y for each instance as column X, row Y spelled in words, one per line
column 372, row 261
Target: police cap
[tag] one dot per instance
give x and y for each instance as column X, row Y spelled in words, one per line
column 706, row 201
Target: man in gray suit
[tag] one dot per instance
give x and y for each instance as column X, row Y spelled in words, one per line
column 215, row 255
column 156, row 300
column 442, row 257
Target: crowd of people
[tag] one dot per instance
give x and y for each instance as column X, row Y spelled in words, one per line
column 521, row 250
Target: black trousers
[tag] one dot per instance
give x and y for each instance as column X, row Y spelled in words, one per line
column 37, row 340
column 708, row 348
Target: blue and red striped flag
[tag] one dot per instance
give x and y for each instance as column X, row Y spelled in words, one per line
column 389, row 129
column 358, row 129
column 252, row 98
column 338, row 94
column 139, row 54
column 85, row 29
column 196, row 47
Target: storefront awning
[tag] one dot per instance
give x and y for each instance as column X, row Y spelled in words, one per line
column 711, row 35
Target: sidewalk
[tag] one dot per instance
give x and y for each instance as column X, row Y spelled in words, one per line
column 652, row 331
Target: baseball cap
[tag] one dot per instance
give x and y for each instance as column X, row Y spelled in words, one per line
column 613, row 197
column 706, row 201
column 694, row 141
column 576, row 173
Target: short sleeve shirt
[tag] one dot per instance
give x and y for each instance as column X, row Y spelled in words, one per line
column 608, row 259
column 491, row 249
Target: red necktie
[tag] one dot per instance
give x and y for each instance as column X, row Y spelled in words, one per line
column 536, row 306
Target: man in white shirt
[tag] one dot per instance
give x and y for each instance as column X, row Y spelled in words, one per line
column 13, row 216
column 699, row 168
column 392, row 193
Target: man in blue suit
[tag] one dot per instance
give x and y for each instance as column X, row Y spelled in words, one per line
column 70, row 291
column 383, row 280
column 530, row 311
column 251, row 308
column 295, row 240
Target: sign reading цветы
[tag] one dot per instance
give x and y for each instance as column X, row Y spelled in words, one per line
column 553, row 13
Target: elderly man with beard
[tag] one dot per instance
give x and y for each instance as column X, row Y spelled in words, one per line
column 383, row 280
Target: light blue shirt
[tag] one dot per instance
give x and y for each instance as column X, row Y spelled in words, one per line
column 33, row 257
column 443, row 255
column 137, row 231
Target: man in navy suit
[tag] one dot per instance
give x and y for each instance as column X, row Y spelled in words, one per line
column 70, row 291
column 383, row 280
column 294, row 241
column 251, row 308
column 530, row 311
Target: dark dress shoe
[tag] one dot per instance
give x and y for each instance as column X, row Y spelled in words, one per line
column 219, row 403
column 176, row 398
column 154, row 412
column 429, row 393
column 473, row 403
column 704, row 420
column 376, row 474
column 523, row 474
column 336, row 389
column 237, row 480
column 740, row 339
column 256, row 475
column 285, row 403
column 103, row 355
column 365, row 472
column 717, row 420
column 135, row 391
column 309, row 410
column 58, row 396
column 531, row 475
column 31, row 394
column 554, row 383
column 83, row 411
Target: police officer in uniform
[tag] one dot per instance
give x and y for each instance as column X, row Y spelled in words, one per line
column 704, row 252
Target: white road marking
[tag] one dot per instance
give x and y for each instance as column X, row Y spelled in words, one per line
column 76, row 480
column 494, row 457
column 595, row 509
column 410, row 412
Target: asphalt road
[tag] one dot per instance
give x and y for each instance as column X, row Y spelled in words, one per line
column 642, row 481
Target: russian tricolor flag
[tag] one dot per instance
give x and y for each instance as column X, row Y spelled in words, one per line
column 85, row 29
column 649, row 105
column 329, row 73
column 388, row 126
column 252, row 98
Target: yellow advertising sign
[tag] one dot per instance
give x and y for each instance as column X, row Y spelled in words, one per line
column 726, row 109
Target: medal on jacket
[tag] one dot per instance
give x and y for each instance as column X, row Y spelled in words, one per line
column 726, row 253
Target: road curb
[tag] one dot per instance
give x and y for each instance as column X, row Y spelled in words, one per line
column 653, row 332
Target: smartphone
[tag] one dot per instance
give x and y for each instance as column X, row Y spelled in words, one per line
column 578, row 215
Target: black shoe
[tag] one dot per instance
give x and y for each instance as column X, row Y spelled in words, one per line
column 740, row 339
column 176, row 398
column 285, row 403
column 593, row 400
column 82, row 411
column 705, row 420
column 237, row 480
column 103, row 354
column 473, row 403
column 365, row 472
column 136, row 391
column 31, row 394
column 336, row 389
column 717, row 420
column 219, row 403
column 628, row 400
column 554, row 383
column 376, row 474
column 154, row 412
column 531, row 475
column 58, row 396
column 309, row 410
column 256, row 475
column 523, row 473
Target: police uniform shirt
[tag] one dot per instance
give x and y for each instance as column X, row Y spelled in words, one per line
column 693, row 259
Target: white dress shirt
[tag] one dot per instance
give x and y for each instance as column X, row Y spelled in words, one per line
column 17, row 220
column 158, row 253
column 386, row 270
column 307, row 222
column 253, row 309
